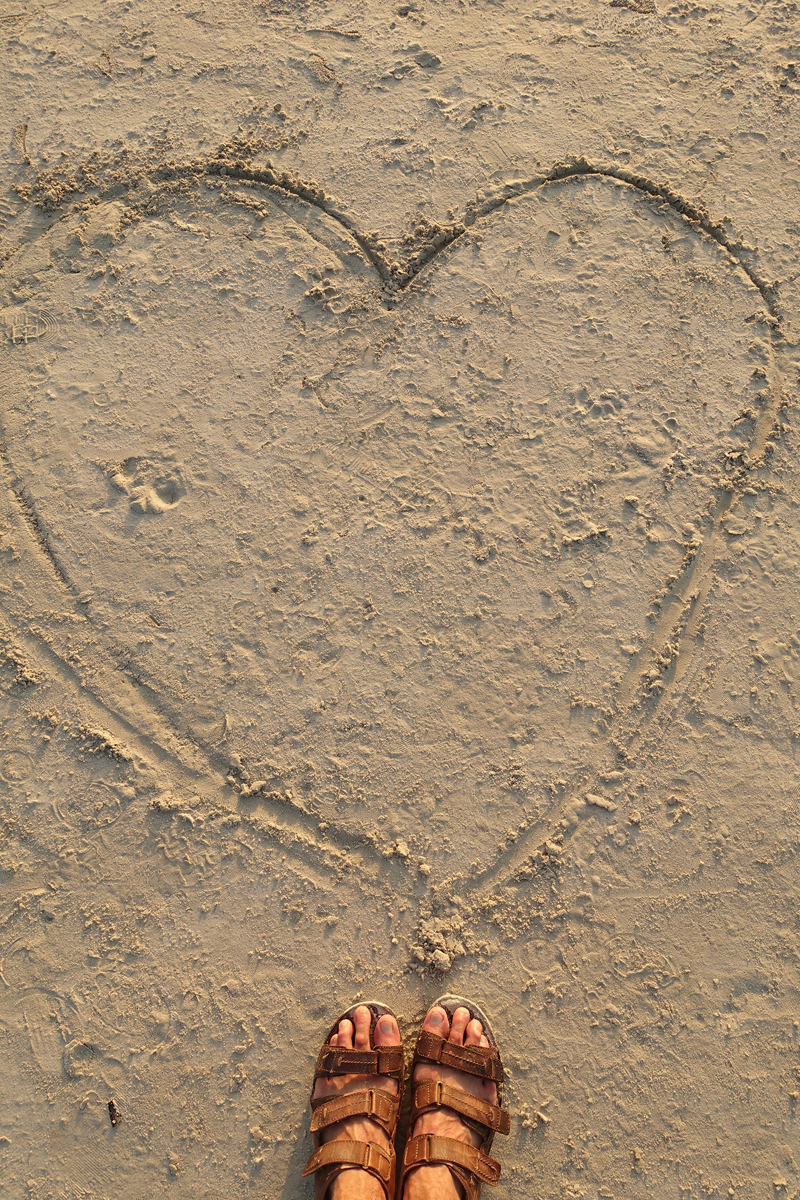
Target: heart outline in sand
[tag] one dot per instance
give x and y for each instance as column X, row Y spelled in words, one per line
column 277, row 791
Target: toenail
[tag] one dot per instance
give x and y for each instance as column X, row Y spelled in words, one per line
column 435, row 1018
column 387, row 1025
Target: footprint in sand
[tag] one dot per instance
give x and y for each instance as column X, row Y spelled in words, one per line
column 21, row 326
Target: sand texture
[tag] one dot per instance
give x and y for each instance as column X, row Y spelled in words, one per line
column 399, row 580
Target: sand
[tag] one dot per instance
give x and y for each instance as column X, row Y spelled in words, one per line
column 399, row 589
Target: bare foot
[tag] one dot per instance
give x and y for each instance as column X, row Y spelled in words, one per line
column 437, row 1182
column 356, row 1184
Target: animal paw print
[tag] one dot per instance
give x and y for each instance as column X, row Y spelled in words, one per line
column 604, row 407
column 324, row 287
column 149, row 489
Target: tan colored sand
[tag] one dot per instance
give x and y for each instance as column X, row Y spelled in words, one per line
column 399, row 585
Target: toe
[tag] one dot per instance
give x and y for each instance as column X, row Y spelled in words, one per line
column 461, row 1019
column 386, row 1031
column 345, row 1037
column 474, row 1032
column 436, row 1022
column 363, row 1019
column 485, row 1042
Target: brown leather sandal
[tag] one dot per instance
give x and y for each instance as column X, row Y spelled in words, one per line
column 329, row 1159
column 470, row 1165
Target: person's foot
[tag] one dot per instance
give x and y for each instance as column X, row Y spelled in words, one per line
column 356, row 1184
column 437, row 1182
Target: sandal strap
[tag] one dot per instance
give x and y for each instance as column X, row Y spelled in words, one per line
column 433, row 1093
column 430, row 1148
column 385, row 1060
column 376, row 1103
column 483, row 1061
column 366, row 1155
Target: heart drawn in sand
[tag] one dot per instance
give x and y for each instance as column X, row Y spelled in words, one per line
column 378, row 543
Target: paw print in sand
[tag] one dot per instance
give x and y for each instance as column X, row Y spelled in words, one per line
column 151, row 487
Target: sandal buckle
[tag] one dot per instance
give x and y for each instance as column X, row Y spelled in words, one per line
column 370, row 1103
column 378, row 1161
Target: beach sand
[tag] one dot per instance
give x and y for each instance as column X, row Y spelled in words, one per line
column 399, row 589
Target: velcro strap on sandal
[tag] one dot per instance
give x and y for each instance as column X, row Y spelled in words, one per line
column 385, row 1060
column 483, row 1061
column 433, row 1093
column 366, row 1155
column 378, row 1105
column 430, row 1148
